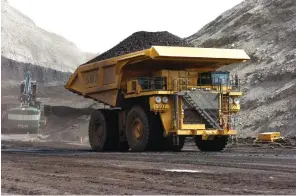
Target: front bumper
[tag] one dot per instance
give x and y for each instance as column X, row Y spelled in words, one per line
column 200, row 129
column 206, row 132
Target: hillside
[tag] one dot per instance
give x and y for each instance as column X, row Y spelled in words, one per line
column 49, row 57
column 23, row 41
column 266, row 30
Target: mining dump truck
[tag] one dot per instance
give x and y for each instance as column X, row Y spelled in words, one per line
column 159, row 96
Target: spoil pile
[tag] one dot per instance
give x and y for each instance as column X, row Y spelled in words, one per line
column 140, row 41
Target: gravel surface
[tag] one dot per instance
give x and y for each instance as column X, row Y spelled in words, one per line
column 141, row 40
column 61, row 168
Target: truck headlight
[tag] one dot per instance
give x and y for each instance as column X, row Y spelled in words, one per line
column 157, row 99
column 230, row 100
column 165, row 100
column 236, row 100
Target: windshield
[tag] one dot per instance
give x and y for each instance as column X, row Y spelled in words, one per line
column 220, row 77
column 213, row 78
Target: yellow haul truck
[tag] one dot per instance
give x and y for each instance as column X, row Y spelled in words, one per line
column 160, row 95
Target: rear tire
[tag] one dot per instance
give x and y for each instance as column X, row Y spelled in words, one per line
column 215, row 145
column 102, row 131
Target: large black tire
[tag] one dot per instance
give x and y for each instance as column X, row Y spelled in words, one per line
column 140, row 130
column 103, row 132
column 215, row 145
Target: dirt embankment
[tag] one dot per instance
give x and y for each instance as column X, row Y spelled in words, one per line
column 50, row 84
column 15, row 71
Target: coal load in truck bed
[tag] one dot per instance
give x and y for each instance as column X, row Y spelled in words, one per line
column 140, row 41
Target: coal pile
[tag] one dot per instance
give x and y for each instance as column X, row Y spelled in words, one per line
column 140, row 41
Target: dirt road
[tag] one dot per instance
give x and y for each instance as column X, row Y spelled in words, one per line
column 60, row 168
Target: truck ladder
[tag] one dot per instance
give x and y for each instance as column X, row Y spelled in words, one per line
column 197, row 100
column 225, row 109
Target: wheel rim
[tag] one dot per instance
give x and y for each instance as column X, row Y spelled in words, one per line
column 137, row 128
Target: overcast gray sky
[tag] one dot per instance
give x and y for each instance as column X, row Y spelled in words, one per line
column 97, row 25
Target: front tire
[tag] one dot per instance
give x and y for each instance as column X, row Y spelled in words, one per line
column 215, row 145
column 138, row 129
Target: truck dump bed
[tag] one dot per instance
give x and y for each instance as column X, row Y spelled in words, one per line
column 102, row 80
